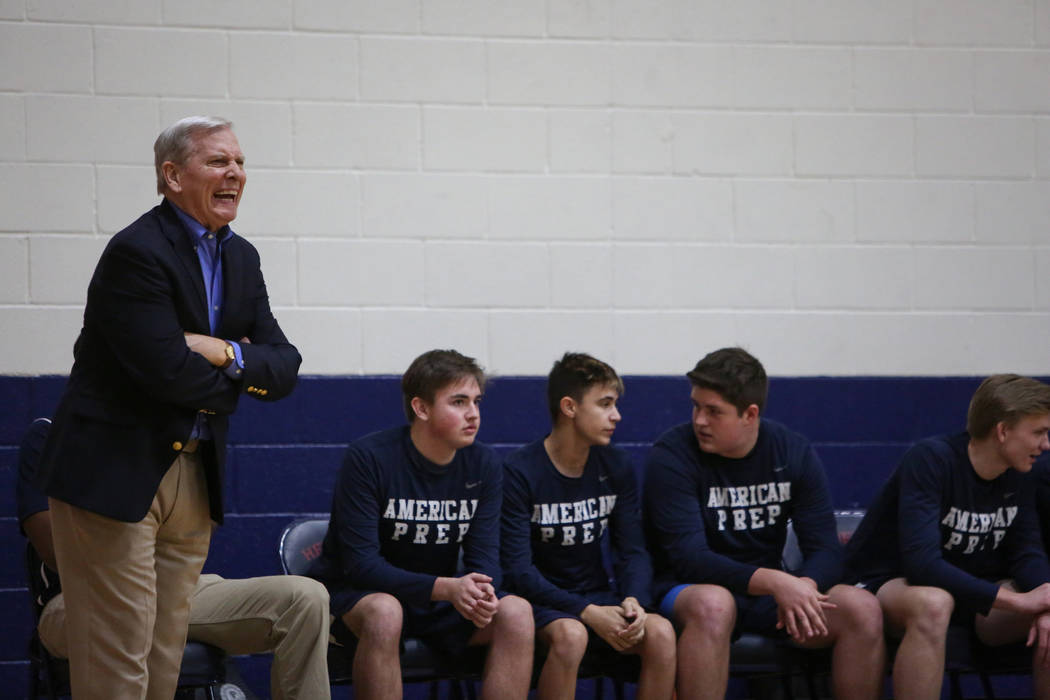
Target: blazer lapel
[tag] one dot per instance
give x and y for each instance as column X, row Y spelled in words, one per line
column 232, row 283
column 191, row 265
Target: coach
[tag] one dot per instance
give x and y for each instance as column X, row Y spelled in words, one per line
column 177, row 325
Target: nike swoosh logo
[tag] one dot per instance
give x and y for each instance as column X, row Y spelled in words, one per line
column 471, row 484
column 781, row 468
column 603, row 477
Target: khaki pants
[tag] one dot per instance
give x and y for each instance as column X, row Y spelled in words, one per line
column 287, row 615
column 127, row 588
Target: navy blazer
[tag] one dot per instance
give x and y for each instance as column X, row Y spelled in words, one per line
column 135, row 389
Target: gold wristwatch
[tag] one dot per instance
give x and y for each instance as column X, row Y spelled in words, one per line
column 230, row 356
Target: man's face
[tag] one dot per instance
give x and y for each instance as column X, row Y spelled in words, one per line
column 208, row 186
column 718, row 427
column 596, row 414
column 1022, row 443
column 455, row 414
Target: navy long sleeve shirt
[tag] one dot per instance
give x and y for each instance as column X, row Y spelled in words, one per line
column 399, row 521
column 937, row 523
column 714, row 519
column 552, row 527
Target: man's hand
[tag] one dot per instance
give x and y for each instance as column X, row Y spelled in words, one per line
column 1034, row 602
column 608, row 622
column 211, row 349
column 800, row 606
column 472, row 595
column 1039, row 637
column 635, row 615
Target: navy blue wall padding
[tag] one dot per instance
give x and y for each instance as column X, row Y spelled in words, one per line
column 284, row 456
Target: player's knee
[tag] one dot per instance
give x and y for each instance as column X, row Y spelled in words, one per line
column 863, row 614
column 566, row 639
column 708, row 609
column 931, row 610
column 660, row 639
column 376, row 619
column 515, row 617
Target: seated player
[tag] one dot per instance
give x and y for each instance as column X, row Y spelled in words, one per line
column 561, row 494
column 952, row 536
column 407, row 502
column 287, row 615
column 719, row 492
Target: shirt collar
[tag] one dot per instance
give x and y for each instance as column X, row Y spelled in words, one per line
column 197, row 230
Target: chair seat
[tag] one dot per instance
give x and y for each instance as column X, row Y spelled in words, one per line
column 419, row 663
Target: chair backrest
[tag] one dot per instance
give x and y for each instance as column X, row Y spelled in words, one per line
column 301, row 544
column 846, row 521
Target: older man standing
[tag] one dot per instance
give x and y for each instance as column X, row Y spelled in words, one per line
column 177, row 325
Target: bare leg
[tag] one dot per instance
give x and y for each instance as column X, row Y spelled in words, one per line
column 706, row 614
column 1003, row 627
column 376, row 622
column 858, row 659
column 657, row 651
column 566, row 641
column 510, row 638
column 920, row 616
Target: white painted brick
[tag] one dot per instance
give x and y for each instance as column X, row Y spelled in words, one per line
column 974, row 278
column 732, row 277
column 264, row 129
column 358, row 136
column 459, row 138
column 486, row 275
column 581, row 275
column 241, row 14
column 580, row 140
column 328, row 339
column 109, row 12
column 1012, row 81
column 360, row 273
column 1043, row 147
column 854, row 145
column 642, row 276
column 1042, row 278
column 422, row 70
column 744, row 20
column 559, row 208
column 642, row 142
column 300, row 203
column 913, row 79
column 60, row 267
column 280, row 265
column 668, row 343
column 12, row 128
column 53, row 332
column 425, row 206
column 579, row 19
column 853, row 278
column 46, row 198
column 303, row 66
column 1013, row 212
column 68, row 128
column 792, row 211
column 809, row 344
column 358, row 15
column 39, row 57
column 639, row 19
column 394, row 337
column 974, row 22
column 974, row 146
column 732, row 144
column 662, row 75
column 910, row 211
column 484, row 17
column 14, row 270
column 528, row 342
column 542, row 73
column 1042, row 22
column 990, row 354
column 792, row 78
column 661, row 209
column 853, row 21
column 139, row 62
column 124, row 194
column 12, row 9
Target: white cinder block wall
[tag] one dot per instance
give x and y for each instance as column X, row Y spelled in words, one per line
column 844, row 186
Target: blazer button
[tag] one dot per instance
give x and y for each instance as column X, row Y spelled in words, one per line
column 177, row 446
